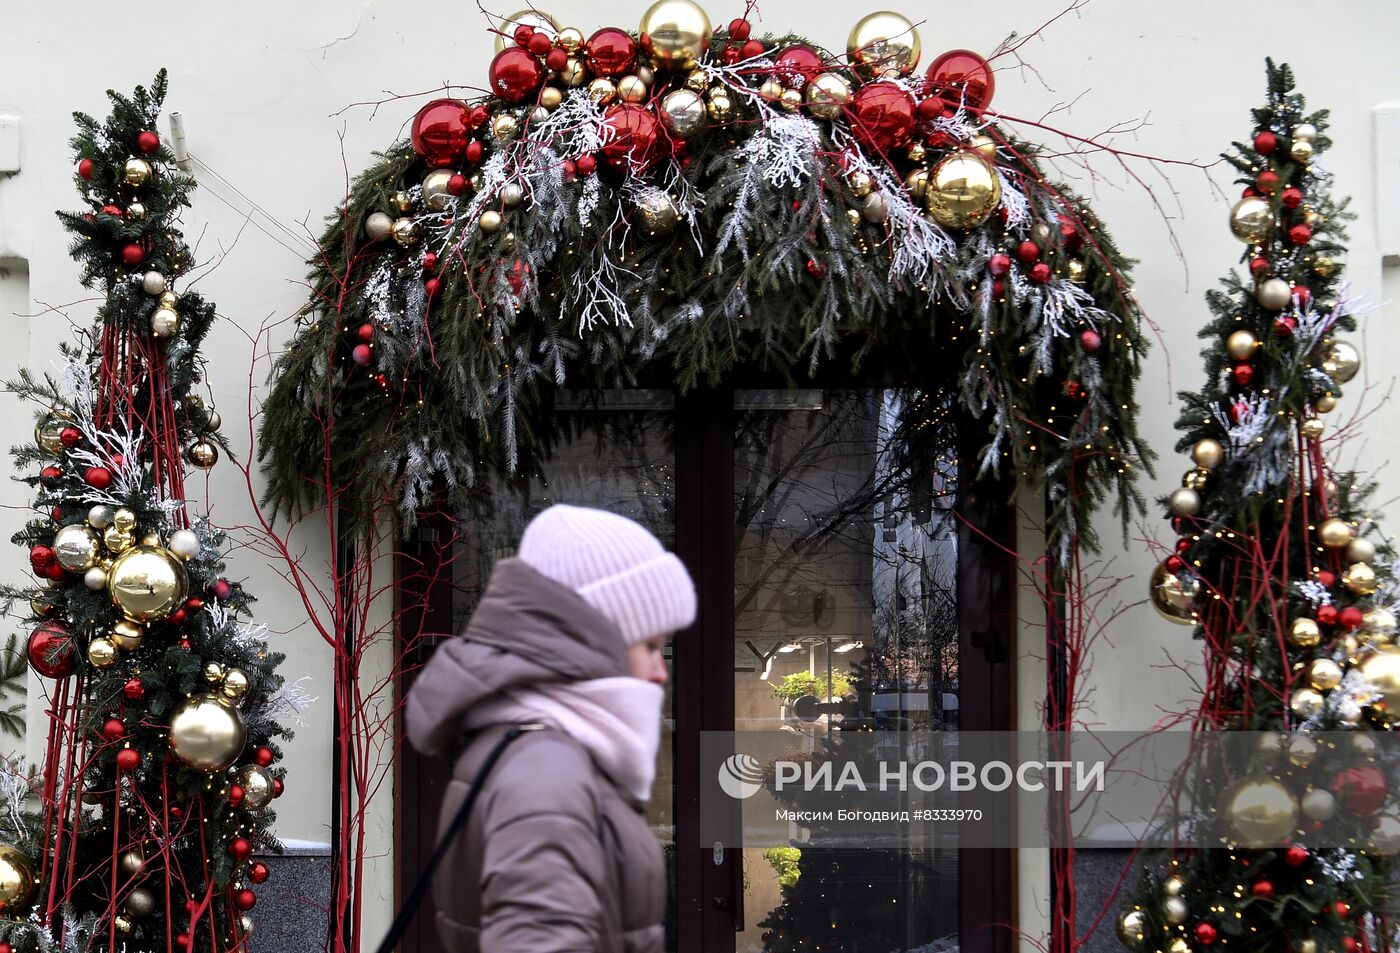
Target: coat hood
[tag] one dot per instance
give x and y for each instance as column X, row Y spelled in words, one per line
column 527, row 630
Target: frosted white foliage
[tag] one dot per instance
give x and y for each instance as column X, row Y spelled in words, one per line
column 1314, row 592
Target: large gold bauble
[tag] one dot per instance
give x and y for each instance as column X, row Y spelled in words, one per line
column 490, row 221
column 1208, row 454
column 657, row 213
column 551, row 97
column 985, row 146
column 16, row 880
column 1132, row 928
column 1173, row 596
column 378, row 225
column 536, row 19
column 574, row 74
column 1360, row 579
column 1324, row 674
column 827, row 95
column 102, row 653
column 675, row 34
column 207, row 733
column 48, row 432
column 1334, row 533
column 883, row 43
column 235, row 684
column 124, row 520
column 1240, row 345
column 1361, row 550
column 963, row 191
column 202, row 454
column 1174, row 885
column 631, row 89
column 403, row 201
column 136, row 172
column 140, row 903
column 165, row 322
column 602, row 91
column 1341, row 362
column 1378, row 621
column 1251, row 219
column 1261, row 813
column 1196, row 478
column 683, row 112
column 1382, row 673
column 1302, row 750
column 128, row 635
column 147, row 583
column 1174, row 910
column 1184, row 502
column 1306, row 703
column 435, row 194
column 76, row 548
column 257, row 785
column 1304, row 633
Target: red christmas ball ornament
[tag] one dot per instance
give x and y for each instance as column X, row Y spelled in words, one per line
column 1349, row 944
column 882, row 115
column 51, row 650
column 236, row 794
column 133, row 254
column 258, row 873
column 112, row 210
column 240, row 848
column 1206, row 934
column 133, row 689
column 999, row 289
column 751, row 49
column 53, row 571
column 636, row 139
column 1350, row 618
column 264, row 756
column 1028, row 252
column 1266, row 182
column 1361, row 790
column 556, row 59
column 515, row 74
column 1292, row 198
column 475, row 150
column 56, row 513
column 362, row 353
column 1284, row 326
column 962, row 77
column 365, row 332
column 1244, row 373
column 1295, row 856
column 1265, row 142
column 221, row 589
column 522, row 33
column 70, row 437
column 1040, row 272
column 1074, row 390
column 539, row 44
column 1341, row 908
column 1262, row 889
column 456, row 185
column 1183, row 546
column 815, row 268
column 1300, row 234
column 1175, row 563
column 113, row 729
column 85, row 169
column 245, row 900
column 1258, row 267
column 1327, row 578
column 40, row 556
column 432, row 286
column 1248, row 192
column 129, row 759
column 185, row 644
column 1327, row 615
column 183, row 941
column 610, row 52
column 739, row 29
column 1090, row 340
column 731, row 54
column 99, row 478
column 50, row 473
column 6, row 948
column 147, row 141
column 177, row 617
column 999, row 264
column 277, row 787
column 796, row 65
column 586, row 164
column 429, row 261
column 931, row 109
column 440, row 131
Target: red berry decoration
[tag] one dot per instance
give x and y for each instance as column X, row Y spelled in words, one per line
column 113, row 729
column 129, row 759
column 752, row 48
column 1351, row 618
column 147, row 141
column 70, row 436
column 882, row 115
column 53, row 571
column 133, row 254
column 1292, row 198
column 1300, row 234
column 432, row 286
column 515, row 74
column 240, row 848
column 1090, row 340
column 85, row 169
column 440, row 131
column 264, row 757
column 475, row 150
column 1074, row 389
column 1028, row 252
column 1206, row 933
column 556, row 59
column 636, row 137
column 133, row 689
column 1327, row 615
column 962, row 78
column 1040, row 272
column 739, row 29
column 362, row 354
column 610, row 52
column 429, row 261
column 1295, row 856
column 245, row 900
column 51, row 650
column 1266, row 182
column 586, row 165
column 183, row 941
column 258, row 873
column 815, row 268
column 221, row 589
column 1244, row 373
column 1262, row 889
column 796, row 65
column 1258, row 267
column 456, row 185
column 1265, row 142
column 539, row 44
column 999, row 264
column 1238, row 411
column 99, row 478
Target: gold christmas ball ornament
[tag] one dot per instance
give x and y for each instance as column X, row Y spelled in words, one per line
column 1378, row 621
column 1325, row 403
column 403, row 201
column 1324, row 266
column 574, row 73
column 505, row 126
column 551, row 97
column 405, row 231
column 535, row 19
column 1385, row 835
column 124, row 519
column 1306, row 703
column 435, row 194
column 602, row 91
column 184, row 543
column 1174, row 596
column 1261, row 813
column 1335, row 533
column 1301, row 151
column 1178, row 944
column 1132, row 928
column 100, row 516
column 1324, row 674
column 683, row 112
column 1184, row 502
column 875, row 208
column 140, row 903
column 1074, row 270
column 1251, row 219
column 1318, row 804
column 153, row 283
column 512, row 195
column 1341, row 362
column 165, row 322
column 235, row 684
column 122, row 924
column 771, row 90
column 168, row 299
column 257, row 785
column 963, row 191
column 697, row 81
column 1207, row 454
column 137, row 172
column 16, row 880
column 883, row 43
column 1303, row 132
column 1304, row 633
column 76, row 547
column 916, row 184
column 378, row 225
column 719, row 107
column 571, row 39
column 916, row 152
column 1173, row 886
column 631, row 89
column 1382, row 674
column 827, row 95
column 207, row 733
column 48, row 432
column 102, row 653
column 791, row 100
column 1174, row 910
column 1302, row 750
column 136, row 212
column 985, row 146
column 1273, row 294
column 674, row 34
column 657, row 213
column 490, row 221
column 117, row 540
column 1196, row 478
column 1240, row 345
column 860, row 184
column 147, row 583
column 1312, row 428
column 202, row 454
column 128, row 635
column 1360, row 579
column 214, row 673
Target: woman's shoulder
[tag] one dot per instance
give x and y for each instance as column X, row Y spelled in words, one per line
column 543, row 771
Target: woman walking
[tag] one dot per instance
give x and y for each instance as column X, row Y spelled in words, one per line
column 556, row 854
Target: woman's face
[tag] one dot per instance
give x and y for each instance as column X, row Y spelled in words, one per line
column 646, row 661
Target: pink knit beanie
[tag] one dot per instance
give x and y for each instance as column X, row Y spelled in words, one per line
column 616, row 564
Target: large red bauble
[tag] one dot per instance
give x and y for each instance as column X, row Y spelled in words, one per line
column 40, row 556
column 1292, row 198
column 236, row 794
column 50, row 473
column 245, row 899
column 133, row 254
column 277, row 787
column 999, row 264
column 51, row 651
column 1351, row 618
column 129, row 759
column 258, row 873
column 1265, row 142
column 1266, row 182
column 361, row 354
column 98, row 478
column 882, row 115
column 440, row 131
column 221, row 589
column 1090, row 340
column 85, row 169
column 53, row 571
column 1361, row 789
column 796, row 65
column 751, row 49
column 515, row 74
column 557, row 60
column 1244, row 373
column 636, row 136
column 366, row 332
column 610, row 52
column 739, row 29
column 240, row 848
column 1300, row 234
column 113, row 729
column 1040, row 272
column 963, row 77
column 147, row 141
column 70, row 437
column 1028, row 251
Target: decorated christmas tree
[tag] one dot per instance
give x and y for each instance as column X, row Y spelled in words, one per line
column 162, row 702
column 1279, row 566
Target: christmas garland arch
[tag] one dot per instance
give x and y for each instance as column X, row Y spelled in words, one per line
column 689, row 201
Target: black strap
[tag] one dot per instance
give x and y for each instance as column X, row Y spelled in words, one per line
column 425, row 879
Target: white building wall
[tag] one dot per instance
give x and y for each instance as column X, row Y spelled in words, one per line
column 262, row 86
